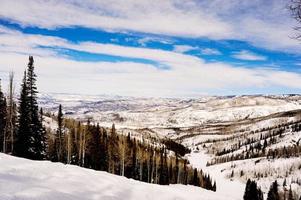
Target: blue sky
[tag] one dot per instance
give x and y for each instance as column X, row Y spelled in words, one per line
column 152, row 48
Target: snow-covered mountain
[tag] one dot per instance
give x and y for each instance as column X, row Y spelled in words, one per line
column 162, row 112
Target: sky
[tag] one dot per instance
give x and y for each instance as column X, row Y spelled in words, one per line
column 156, row 48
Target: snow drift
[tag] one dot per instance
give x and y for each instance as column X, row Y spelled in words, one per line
column 22, row 179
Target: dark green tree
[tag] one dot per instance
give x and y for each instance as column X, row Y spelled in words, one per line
column 24, row 140
column 252, row 192
column 31, row 137
column 273, row 192
column 36, row 126
column 60, row 135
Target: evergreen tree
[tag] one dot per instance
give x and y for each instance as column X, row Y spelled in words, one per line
column 273, row 192
column 252, row 192
column 60, row 135
column 104, row 151
column 214, row 187
column 2, row 119
column 36, row 125
column 114, row 160
column 24, row 141
column 31, row 139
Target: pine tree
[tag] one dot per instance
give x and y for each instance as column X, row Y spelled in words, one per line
column 36, row 125
column 214, row 187
column 31, row 139
column 2, row 119
column 273, row 192
column 113, row 152
column 60, row 135
column 24, row 141
column 252, row 192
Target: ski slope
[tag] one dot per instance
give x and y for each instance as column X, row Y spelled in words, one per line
column 22, row 179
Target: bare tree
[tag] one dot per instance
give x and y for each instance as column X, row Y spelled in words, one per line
column 11, row 112
column 295, row 8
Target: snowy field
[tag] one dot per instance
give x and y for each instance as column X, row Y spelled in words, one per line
column 22, row 179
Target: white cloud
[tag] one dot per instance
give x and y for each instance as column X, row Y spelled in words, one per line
column 209, row 51
column 248, row 20
column 183, row 48
column 185, row 75
column 248, row 55
column 143, row 41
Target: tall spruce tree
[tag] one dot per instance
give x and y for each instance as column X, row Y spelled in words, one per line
column 2, row 119
column 60, row 135
column 31, row 139
column 273, row 192
column 36, row 125
column 24, row 140
column 252, row 192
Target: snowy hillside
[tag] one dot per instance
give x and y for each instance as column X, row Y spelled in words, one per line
column 161, row 112
column 22, row 179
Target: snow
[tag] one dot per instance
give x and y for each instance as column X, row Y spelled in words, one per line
column 22, row 179
column 225, row 187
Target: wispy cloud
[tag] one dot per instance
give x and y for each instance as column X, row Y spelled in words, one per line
column 248, row 55
column 209, row 51
column 144, row 40
column 183, row 48
column 233, row 20
column 186, row 74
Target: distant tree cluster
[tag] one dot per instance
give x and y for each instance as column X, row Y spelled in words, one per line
column 256, row 146
column 176, row 147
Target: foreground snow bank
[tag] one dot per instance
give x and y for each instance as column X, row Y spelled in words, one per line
column 22, row 179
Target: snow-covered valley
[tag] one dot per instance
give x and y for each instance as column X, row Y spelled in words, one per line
column 222, row 132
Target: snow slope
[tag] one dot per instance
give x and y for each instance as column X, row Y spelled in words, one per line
column 22, row 179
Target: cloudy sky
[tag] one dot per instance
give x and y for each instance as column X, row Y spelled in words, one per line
column 169, row 48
